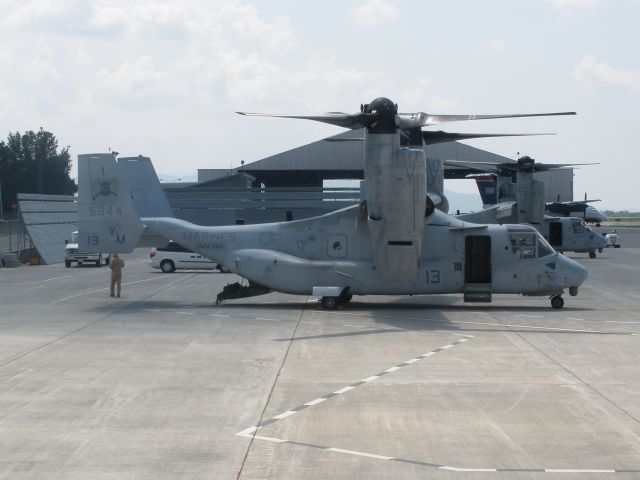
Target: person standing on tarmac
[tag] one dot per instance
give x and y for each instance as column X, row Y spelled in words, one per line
column 116, row 264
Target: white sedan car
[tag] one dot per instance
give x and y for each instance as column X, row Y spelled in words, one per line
column 175, row 256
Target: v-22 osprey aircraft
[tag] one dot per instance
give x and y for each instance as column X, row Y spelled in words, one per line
column 393, row 243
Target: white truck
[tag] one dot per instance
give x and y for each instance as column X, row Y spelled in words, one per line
column 72, row 254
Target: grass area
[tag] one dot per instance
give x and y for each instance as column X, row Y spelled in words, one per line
column 625, row 219
column 8, row 226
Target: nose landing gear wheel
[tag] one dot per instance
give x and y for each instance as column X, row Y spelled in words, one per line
column 557, row 301
column 592, row 254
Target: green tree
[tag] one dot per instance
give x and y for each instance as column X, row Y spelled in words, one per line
column 31, row 163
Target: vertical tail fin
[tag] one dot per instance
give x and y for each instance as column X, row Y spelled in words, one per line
column 107, row 217
column 146, row 192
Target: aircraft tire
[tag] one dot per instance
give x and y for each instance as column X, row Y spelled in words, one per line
column 167, row 266
column 592, row 254
column 557, row 301
column 329, row 303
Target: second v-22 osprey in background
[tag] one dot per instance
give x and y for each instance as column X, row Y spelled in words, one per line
column 393, row 243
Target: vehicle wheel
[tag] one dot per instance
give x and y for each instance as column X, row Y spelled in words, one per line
column 67, row 263
column 328, row 302
column 557, row 301
column 592, row 254
column 167, row 266
column 99, row 261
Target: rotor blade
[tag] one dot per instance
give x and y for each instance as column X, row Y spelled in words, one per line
column 346, row 120
column 421, row 119
column 464, row 163
column 431, row 138
column 556, row 166
column 493, row 166
column 577, row 203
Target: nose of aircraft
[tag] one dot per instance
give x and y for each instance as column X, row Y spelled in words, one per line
column 574, row 273
column 600, row 241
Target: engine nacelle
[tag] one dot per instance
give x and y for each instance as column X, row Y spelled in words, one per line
column 396, row 180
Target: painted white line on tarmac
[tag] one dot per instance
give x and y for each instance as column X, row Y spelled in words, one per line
column 570, row 470
column 315, row 402
column 247, row 431
column 345, row 389
column 57, row 278
column 269, row 439
column 460, row 469
column 286, row 414
column 360, row 454
column 102, row 290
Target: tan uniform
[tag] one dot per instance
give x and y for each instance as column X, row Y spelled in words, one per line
column 116, row 264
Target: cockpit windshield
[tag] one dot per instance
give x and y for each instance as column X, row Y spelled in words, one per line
column 544, row 248
column 528, row 243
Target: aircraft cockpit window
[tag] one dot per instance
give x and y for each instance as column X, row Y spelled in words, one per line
column 523, row 244
column 577, row 227
column 544, row 248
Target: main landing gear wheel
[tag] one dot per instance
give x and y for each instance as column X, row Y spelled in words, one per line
column 329, row 303
column 557, row 301
column 592, row 254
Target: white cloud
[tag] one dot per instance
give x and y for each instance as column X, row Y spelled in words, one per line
column 589, row 68
column 490, row 46
column 566, row 5
column 375, row 12
column 419, row 96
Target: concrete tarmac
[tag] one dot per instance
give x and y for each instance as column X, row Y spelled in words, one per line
column 164, row 384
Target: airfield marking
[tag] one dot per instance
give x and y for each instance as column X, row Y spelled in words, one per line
column 451, row 468
column 57, row 278
column 251, row 431
column 491, row 324
column 102, row 290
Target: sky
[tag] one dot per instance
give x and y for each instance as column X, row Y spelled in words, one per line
column 164, row 78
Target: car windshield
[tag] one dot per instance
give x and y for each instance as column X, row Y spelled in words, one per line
column 74, row 237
